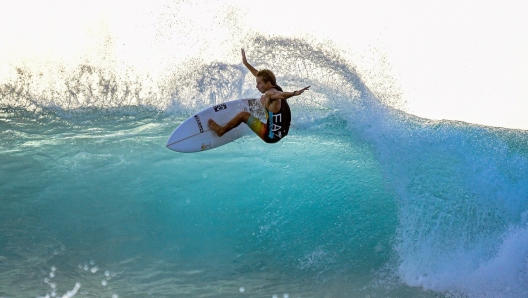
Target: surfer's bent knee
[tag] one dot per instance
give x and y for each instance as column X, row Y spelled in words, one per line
column 244, row 116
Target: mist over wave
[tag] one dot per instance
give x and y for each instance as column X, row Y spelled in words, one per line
column 187, row 87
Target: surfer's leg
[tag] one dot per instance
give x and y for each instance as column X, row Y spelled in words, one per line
column 221, row 130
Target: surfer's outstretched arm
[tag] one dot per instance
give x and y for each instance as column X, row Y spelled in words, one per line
column 253, row 70
column 286, row 95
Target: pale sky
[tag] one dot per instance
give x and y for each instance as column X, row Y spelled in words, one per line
column 460, row 60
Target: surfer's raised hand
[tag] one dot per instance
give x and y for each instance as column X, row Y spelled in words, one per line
column 253, row 70
column 244, row 60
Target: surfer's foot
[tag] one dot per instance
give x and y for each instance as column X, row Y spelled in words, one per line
column 215, row 127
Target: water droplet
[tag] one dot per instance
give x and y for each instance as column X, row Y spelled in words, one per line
column 115, row 296
column 53, row 268
column 104, row 283
column 107, row 273
column 94, row 269
column 242, row 290
column 52, row 274
column 92, row 262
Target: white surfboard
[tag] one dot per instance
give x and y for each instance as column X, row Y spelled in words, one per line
column 194, row 135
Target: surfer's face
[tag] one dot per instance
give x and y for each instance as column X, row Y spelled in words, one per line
column 262, row 86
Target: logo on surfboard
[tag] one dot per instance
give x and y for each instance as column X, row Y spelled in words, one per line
column 220, row 107
column 205, row 146
column 199, row 123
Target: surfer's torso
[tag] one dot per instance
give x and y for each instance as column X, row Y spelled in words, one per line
column 278, row 118
column 278, row 123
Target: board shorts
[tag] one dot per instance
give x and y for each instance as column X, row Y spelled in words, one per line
column 263, row 130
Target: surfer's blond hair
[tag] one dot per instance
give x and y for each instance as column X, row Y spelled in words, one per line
column 267, row 76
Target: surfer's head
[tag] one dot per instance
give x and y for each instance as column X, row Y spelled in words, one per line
column 265, row 80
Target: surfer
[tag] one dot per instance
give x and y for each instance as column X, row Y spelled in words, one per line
column 273, row 99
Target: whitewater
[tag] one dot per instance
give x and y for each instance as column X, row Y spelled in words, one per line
column 360, row 199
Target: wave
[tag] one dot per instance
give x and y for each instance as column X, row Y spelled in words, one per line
column 462, row 192
column 461, row 189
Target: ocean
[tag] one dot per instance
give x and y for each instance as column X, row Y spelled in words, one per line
column 361, row 199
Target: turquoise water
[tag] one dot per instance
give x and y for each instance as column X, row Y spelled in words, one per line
column 360, row 200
